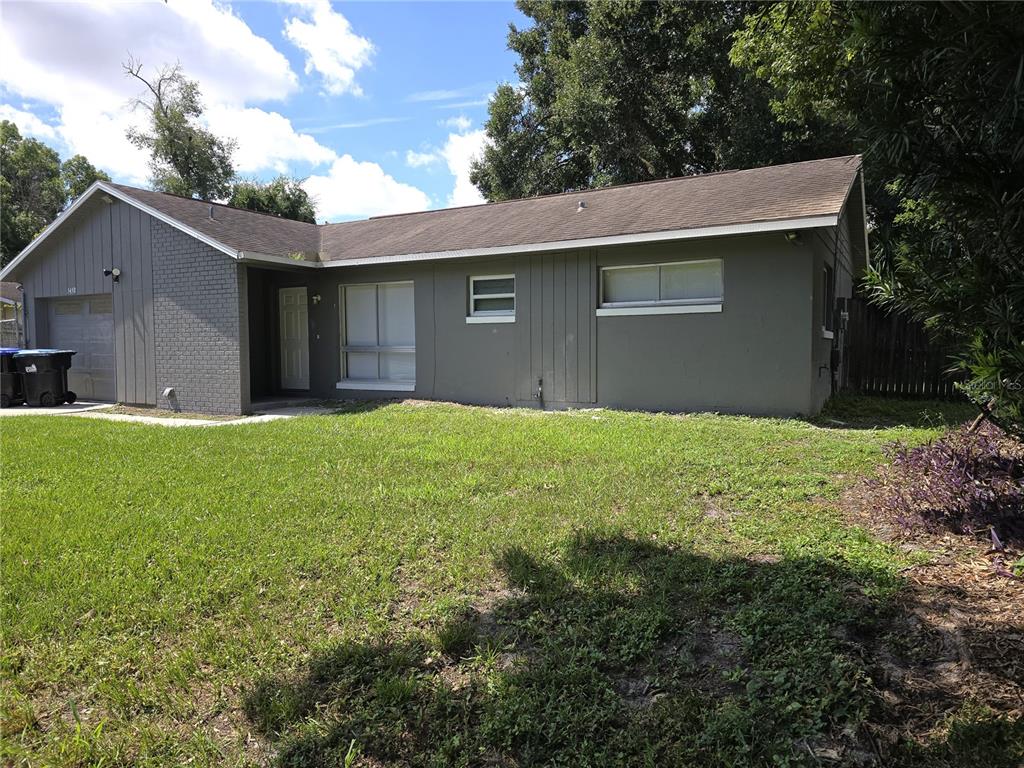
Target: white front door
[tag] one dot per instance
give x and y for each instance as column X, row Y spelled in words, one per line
column 294, row 338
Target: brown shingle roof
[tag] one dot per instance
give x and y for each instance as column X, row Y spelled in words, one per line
column 797, row 190
column 234, row 227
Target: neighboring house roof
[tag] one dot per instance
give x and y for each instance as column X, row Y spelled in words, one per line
column 779, row 197
column 793, row 193
column 10, row 293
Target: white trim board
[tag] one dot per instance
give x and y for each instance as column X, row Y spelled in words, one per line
column 374, row 385
column 483, row 319
column 673, row 309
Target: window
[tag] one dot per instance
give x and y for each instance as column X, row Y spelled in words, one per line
column 378, row 337
column 492, row 299
column 687, row 286
column 828, row 300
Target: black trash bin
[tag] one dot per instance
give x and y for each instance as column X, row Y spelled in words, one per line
column 44, row 375
column 10, row 379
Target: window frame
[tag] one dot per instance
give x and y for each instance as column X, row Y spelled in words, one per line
column 661, row 306
column 378, row 384
column 828, row 301
column 491, row 316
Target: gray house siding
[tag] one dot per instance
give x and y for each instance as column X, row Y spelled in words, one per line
column 193, row 319
column 755, row 356
column 752, row 357
column 71, row 264
column 836, row 247
column 179, row 306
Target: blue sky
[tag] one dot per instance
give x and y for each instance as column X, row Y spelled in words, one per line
column 378, row 105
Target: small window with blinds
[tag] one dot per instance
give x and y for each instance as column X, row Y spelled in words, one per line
column 492, row 299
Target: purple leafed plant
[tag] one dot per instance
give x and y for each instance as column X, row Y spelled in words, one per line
column 964, row 481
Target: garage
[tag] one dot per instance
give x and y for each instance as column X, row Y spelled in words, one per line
column 86, row 325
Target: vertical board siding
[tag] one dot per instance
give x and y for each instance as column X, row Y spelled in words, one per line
column 72, row 263
column 148, row 320
column 572, row 331
column 892, row 355
column 558, row 341
column 120, row 350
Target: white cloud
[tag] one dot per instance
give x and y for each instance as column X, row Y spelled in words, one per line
column 332, row 49
column 354, row 189
column 367, row 123
column 69, row 55
column 463, row 104
column 459, row 152
column 420, row 159
column 266, row 139
column 446, row 94
column 28, row 124
column 460, row 123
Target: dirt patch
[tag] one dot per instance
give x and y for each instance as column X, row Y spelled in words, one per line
column 161, row 413
column 958, row 637
column 957, row 631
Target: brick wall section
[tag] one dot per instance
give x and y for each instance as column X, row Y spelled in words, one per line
column 199, row 307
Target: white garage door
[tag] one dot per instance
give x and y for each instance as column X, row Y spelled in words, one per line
column 86, row 325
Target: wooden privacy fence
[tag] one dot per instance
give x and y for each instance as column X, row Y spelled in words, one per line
column 891, row 354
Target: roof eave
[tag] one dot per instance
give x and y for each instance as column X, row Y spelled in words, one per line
column 270, row 258
column 777, row 225
column 100, row 186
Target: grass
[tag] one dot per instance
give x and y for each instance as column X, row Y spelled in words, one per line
column 441, row 585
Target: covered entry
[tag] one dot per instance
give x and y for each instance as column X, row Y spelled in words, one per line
column 86, row 325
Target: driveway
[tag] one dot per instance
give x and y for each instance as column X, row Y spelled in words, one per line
column 79, row 407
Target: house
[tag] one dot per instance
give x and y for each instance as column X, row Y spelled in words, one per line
column 10, row 315
column 713, row 292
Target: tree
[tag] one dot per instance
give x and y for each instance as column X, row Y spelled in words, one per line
column 283, row 196
column 935, row 92
column 186, row 159
column 617, row 92
column 31, row 190
column 78, row 174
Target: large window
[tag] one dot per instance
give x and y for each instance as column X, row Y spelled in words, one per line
column 492, row 299
column 686, row 286
column 378, row 337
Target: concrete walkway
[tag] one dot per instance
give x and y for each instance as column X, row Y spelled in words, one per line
column 57, row 410
column 99, row 411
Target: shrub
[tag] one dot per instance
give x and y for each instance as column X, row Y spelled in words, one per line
column 964, row 481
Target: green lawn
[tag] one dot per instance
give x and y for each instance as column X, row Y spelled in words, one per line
column 440, row 585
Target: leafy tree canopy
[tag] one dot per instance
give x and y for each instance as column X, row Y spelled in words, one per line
column 936, row 94
column 34, row 187
column 78, row 174
column 282, row 196
column 616, row 92
column 186, row 158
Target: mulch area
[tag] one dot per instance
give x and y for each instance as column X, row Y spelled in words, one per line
column 956, row 636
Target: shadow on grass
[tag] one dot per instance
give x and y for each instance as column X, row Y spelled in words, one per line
column 623, row 652
column 848, row 411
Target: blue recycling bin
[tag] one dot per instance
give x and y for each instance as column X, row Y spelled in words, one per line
column 10, row 379
column 44, row 376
